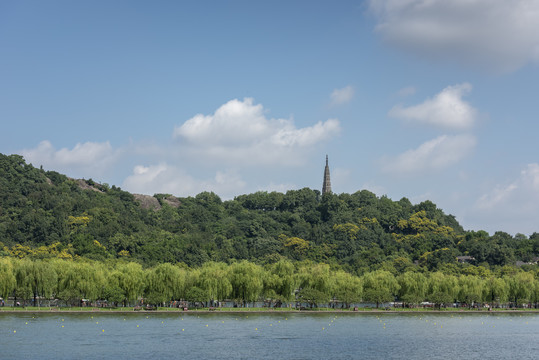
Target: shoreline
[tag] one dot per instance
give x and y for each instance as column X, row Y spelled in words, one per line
column 258, row 312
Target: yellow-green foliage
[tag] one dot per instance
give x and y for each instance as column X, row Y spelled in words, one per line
column 420, row 223
column 297, row 244
column 42, row 252
column 77, row 222
column 349, row 230
column 366, row 223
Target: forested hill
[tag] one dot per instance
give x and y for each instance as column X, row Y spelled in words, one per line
column 46, row 214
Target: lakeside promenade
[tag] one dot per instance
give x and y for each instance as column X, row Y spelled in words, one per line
column 131, row 310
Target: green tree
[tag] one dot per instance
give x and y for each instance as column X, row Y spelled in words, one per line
column 44, row 280
column 79, row 280
column 112, row 291
column 347, row 288
column 280, row 282
column 197, row 295
column 379, row 287
column 312, row 297
column 442, row 288
column 520, row 287
column 413, row 287
column 214, row 281
column 24, row 277
column 496, row 290
column 246, row 280
column 164, row 283
column 470, row 289
column 315, row 276
column 7, row 278
column 130, row 281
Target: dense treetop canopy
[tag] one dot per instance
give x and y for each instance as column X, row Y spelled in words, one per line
column 44, row 214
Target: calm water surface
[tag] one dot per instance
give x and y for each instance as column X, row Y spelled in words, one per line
column 269, row 336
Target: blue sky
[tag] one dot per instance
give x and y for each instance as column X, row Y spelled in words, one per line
column 421, row 99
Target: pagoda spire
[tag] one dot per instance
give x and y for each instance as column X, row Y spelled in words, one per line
column 326, row 187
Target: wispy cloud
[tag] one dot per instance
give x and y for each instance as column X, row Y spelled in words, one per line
column 407, row 91
column 519, row 193
column 435, row 154
column 446, row 110
column 494, row 34
column 171, row 179
column 342, row 96
column 84, row 159
column 512, row 206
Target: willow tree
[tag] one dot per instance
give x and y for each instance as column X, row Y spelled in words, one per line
column 379, row 287
column 535, row 293
column 44, row 280
column 23, row 271
column 91, row 280
column 315, row 276
column 496, row 290
column 246, row 280
column 470, row 289
column 214, row 280
column 79, row 280
column 7, row 278
column 280, row 282
column 520, row 287
column 112, row 292
column 131, row 281
column 66, row 288
column 347, row 288
column 313, row 297
column 442, row 288
column 413, row 287
column 165, row 282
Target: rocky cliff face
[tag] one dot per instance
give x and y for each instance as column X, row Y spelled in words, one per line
column 151, row 202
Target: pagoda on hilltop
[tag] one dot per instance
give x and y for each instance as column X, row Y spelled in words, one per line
column 326, row 187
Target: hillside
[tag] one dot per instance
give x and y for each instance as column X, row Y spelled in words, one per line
column 46, row 214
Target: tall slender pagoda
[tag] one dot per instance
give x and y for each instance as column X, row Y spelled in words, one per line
column 326, row 187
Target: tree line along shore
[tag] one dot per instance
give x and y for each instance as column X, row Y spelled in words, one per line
column 65, row 240
column 120, row 283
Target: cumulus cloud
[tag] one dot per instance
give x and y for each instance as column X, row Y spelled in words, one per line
column 342, row 96
column 497, row 34
column 171, row 179
column 240, row 132
column 434, row 154
column 446, row 110
column 85, row 159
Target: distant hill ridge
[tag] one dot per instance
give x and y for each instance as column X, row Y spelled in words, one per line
column 358, row 232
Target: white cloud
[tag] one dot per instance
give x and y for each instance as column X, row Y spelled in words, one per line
column 497, row 34
column 434, row 154
column 342, row 96
column 239, row 132
column 170, row 179
column 446, row 110
column 85, row 159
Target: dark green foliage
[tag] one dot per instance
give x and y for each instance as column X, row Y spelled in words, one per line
column 359, row 232
column 197, row 296
column 313, row 297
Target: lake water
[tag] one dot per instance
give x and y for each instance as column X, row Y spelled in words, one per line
column 269, row 336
